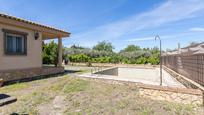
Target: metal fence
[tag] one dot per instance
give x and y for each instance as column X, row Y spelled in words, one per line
column 190, row 66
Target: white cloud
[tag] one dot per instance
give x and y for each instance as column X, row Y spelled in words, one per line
column 163, row 37
column 167, row 12
column 151, row 38
column 140, row 39
column 197, row 29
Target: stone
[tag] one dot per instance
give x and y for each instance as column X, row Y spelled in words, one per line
column 58, row 101
column 173, row 95
column 168, row 98
column 29, row 73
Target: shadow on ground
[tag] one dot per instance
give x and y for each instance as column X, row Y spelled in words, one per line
column 41, row 77
column 6, row 99
column 72, row 71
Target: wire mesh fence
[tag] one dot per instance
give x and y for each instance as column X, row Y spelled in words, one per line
column 189, row 66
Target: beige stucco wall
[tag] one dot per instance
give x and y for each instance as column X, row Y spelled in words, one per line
column 33, row 58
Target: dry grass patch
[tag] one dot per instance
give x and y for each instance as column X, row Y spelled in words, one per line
column 69, row 95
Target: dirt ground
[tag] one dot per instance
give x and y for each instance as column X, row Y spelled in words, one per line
column 69, row 95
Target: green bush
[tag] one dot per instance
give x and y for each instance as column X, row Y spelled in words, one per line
column 126, row 61
column 101, row 60
column 141, row 60
column 103, row 53
column 79, row 58
column 50, row 54
column 153, row 60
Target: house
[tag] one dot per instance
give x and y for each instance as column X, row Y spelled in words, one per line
column 21, row 48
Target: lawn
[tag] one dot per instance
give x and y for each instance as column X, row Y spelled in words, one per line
column 69, row 95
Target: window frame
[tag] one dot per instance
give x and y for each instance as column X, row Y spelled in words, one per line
column 24, row 34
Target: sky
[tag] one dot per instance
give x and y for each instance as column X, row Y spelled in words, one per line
column 121, row 22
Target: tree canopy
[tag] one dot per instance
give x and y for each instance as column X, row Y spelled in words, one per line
column 77, row 47
column 104, row 46
column 50, row 53
column 131, row 48
column 101, row 53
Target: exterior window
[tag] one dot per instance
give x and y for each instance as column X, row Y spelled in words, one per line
column 15, row 44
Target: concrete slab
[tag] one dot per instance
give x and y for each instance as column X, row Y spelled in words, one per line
column 146, row 76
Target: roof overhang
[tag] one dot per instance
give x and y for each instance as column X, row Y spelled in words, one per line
column 47, row 31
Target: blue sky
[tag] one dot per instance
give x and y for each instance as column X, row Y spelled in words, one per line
column 121, row 22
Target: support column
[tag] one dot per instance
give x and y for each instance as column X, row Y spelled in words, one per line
column 59, row 51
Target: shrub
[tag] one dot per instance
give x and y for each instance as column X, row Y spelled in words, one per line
column 78, row 58
column 153, row 60
column 141, row 60
column 103, row 53
column 50, row 54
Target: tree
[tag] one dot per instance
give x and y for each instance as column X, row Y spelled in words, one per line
column 77, row 47
column 155, row 50
column 192, row 43
column 153, row 59
column 103, row 53
column 79, row 58
column 104, row 46
column 131, row 48
column 50, row 53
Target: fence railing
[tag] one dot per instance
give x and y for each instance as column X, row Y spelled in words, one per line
column 190, row 66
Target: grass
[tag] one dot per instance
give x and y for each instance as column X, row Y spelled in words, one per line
column 14, row 87
column 84, row 71
column 78, row 97
column 75, row 85
column 30, row 102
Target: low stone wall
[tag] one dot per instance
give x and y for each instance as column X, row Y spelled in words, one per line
column 163, row 93
column 178, row 95
column 13, row 75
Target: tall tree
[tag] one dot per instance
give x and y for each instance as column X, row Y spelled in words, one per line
column 104, row 46
column 192, row 43
column 50, row 53
column 131, row 48
column 77, row 47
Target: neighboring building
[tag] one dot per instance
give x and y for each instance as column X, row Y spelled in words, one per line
column 21, row 48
